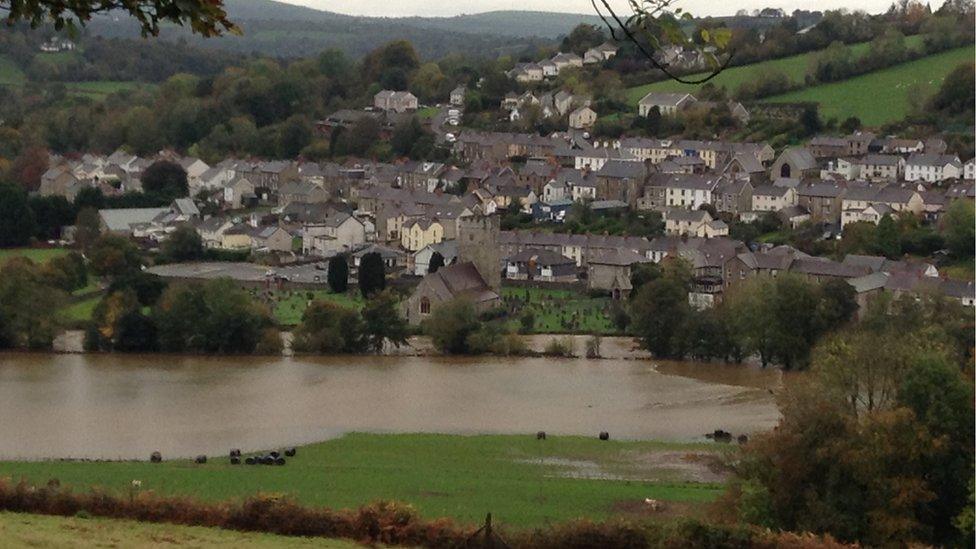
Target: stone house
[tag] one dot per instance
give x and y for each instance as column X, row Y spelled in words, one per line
column 540, row 265
column 610, row 270
column 461, row 280
column 583, row 117
column 337, row 233
column 395, row 101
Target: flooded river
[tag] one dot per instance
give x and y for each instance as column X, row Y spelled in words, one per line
column 123, row 406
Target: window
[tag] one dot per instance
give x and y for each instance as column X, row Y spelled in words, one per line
column 424, row 306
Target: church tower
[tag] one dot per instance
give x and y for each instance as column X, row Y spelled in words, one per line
column 478, row 244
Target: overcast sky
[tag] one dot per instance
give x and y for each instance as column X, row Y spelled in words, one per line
column 454, row 7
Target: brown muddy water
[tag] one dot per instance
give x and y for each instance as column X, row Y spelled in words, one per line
column 125, row 406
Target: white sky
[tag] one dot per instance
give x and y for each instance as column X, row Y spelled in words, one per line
column 398, row 8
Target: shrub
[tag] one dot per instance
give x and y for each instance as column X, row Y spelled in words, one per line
column 560, row 346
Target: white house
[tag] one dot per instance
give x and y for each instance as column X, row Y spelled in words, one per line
column 667, row 103
column 932, row 167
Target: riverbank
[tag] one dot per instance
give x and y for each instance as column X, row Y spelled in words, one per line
column 614, row 347
column 522, row 481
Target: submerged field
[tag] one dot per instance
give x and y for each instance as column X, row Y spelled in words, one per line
column 23, row 530
column 524, row 482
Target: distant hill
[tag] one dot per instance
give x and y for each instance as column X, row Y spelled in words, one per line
column 285, row 30
column 509, row 23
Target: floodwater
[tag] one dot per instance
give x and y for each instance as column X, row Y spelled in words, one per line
column 125, row 406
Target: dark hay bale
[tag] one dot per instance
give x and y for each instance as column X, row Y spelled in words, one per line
column 156, row 457
column 236, row 460
column 267, row 460
column 290, row 452
column 722, row 436
column 250, row 461
column 274, row 454
column 541, row 435
column 743, row 439
column 235, row 453
column 200, row 459
column 604, row 435
column 279, row 461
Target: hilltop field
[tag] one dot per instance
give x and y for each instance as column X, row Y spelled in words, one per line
column 524, row 482
column 877, row 97
column 881, row 96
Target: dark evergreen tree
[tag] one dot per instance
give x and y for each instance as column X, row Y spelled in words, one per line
column 372, row 275
column 338, row 276
column 436, row 262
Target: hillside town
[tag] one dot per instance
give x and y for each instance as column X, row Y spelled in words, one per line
column 290, row 212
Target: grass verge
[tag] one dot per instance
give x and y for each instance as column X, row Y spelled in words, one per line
column 23, row 530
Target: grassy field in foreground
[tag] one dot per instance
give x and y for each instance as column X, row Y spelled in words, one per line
column 881, row 96
column 21, row 530
column 795, row 67
column 522, row 481
column 37, row 255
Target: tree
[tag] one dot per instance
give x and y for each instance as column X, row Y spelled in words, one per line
column 822, row 471
column 203, row 17
column 216, row 316
column 166, row 180
column 16, row 217
column 28, row 167
column 90, row 197
column 294, row 135
column 372, row 274
column 958, row 225
column 838, row 303
column 956, row 94
column 50, row 214
column 941, row 398
column 436, row 262
column 330, row 328
column 405, row 135
column 183, row 244
column 886, row 238
column 658, row 312
column 113, row 255
column 67, row 272
column 135, row 333
column 582, row 38
column 338, row 276
column 383, row 322
column 451, row 324
column 28, row 306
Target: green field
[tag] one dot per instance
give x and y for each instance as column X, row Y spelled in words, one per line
column 82, row 310
column 426, row 113
column 10, row 73
column 795, row 67
column 37, row 255
column 881, row 96
column 22, row 530
column 524, row 482
column 555, row 310
column 290, row 305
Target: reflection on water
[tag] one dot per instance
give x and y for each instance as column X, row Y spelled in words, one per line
column 120, row 406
